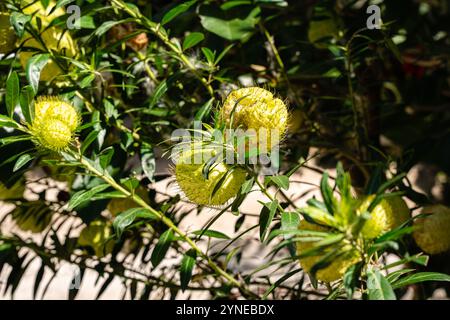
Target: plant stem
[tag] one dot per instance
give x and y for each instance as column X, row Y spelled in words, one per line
column 169, row 223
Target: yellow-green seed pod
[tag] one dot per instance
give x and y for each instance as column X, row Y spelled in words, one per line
column 56, row 40
column 256, row 108
column 222, row 183
column 432, row 233
column 336, row 269
column 45, row 15
column 54, row 135
column 388, row 214
column 7, row 36
column 96, row 235
column 52, row 107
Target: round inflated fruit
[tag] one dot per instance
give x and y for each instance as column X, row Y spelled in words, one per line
column 338, row 266
column 221, row 183
column 256, row 108
column 388, row 214
column 432, row 232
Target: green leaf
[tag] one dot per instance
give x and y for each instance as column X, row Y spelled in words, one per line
column 105, row 157
column 12, row 92
column 289, row 221
column 192, row 39
column 318, row 215
column 230, row 28
column 26, row 101
column 127, row 217
column 247, row 186
column 148, row 162
column 105, row 26
column 420, row 277
column 7, row 122
column 327, row 194
column 176, row 11
column 92, row 136
column 186, row 268
column 212, row 234
column 378, row 287
column 18, row 21
column 350, row 279
column 209, row 55
column 279, row 281
column 204, row 110
column 160, row 90
column 281, row 181
column 23, row 160
column 161, row 247
column 266, row 217
column 84, row 195
column 34, row 67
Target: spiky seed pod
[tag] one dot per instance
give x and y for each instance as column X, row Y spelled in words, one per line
column 54, row 123
column 336, row 269
column 388, row 214
column 256, row 108
column 33, row 216
column 118, row 205
column 432, row 233
column 221, row 184
column 52, row 107
column 54, row 135
column 45, row 14
column 56, row 40
column 7, row 36
column 96, row 235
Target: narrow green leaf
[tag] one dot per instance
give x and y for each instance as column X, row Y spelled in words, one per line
column 26, row 103
column 34, row 67
column 204, row 110
column 192, row 39
column 176, row 11
column 12, row 93
column 266, row 217
column 7, row 122
column 186, row 268
column 127, row 217
column 148, row 161
column 85, row 195
column 161, row 247
column 421, row 277
column 23, row 160
column 212, row 234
